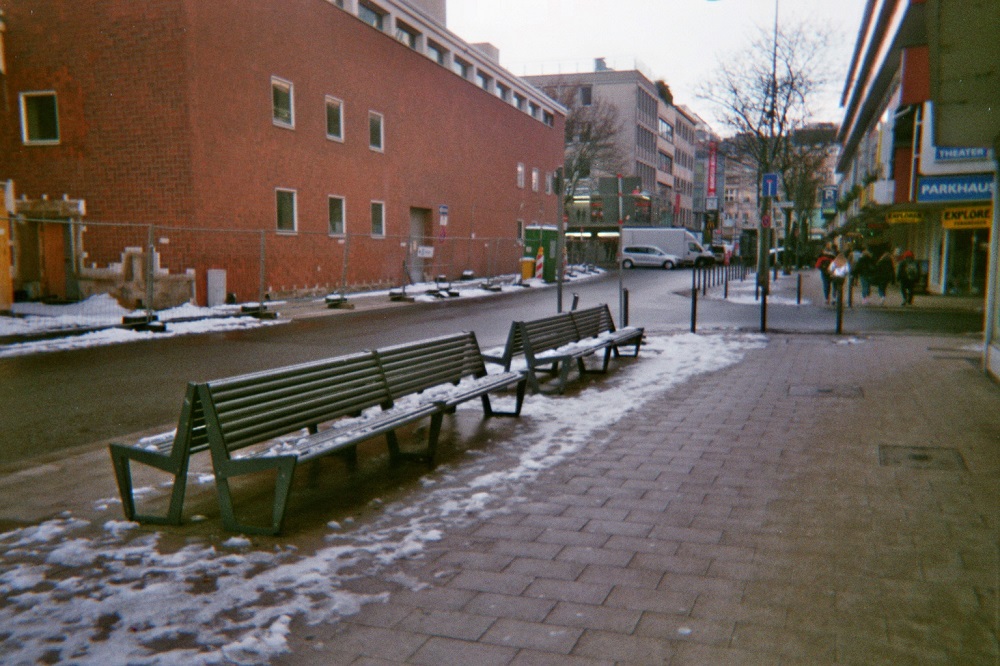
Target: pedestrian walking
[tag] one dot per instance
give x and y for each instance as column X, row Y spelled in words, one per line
column 907, row 274
column 863, row 269
column 823, row 263
column 884, row 274
column 839, row 270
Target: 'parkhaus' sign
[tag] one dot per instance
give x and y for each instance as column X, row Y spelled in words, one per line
column 975, row 187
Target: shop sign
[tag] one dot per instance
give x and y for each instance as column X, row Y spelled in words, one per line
column 943, row 154
column 970, row 217
column 904, row 217
column 947, row 189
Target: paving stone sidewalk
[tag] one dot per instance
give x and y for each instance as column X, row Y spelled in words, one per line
column 827, row 500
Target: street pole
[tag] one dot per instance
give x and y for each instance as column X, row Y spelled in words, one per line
column 621, row 270
column 560, row 238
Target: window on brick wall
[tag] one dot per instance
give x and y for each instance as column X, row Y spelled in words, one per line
column 407, row 34
column 437, row 52
column 520, row 175
column 536, row 178
column 378, row 218
column 376, row 131
column 39, row 118
column 282, row 103
column 337, row 215
column 334, row 119
column 285, row 210
column 372, row 15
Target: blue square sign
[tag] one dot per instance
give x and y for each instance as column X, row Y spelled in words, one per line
column 769, row 185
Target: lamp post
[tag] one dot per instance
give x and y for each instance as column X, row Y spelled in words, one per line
column 767, row 202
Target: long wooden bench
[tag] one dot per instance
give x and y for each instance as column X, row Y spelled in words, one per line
column 553, row 345
column 251, row 423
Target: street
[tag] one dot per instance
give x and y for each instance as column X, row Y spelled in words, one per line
column 51, row 402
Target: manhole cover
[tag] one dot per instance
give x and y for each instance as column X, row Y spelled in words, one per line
column 829, row 391
column 921, row 457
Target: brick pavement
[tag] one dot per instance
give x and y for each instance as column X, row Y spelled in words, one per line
column 746, row 518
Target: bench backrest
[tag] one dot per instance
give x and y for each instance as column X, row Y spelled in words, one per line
column 417, row 366
column 245, row 410
column 539, row 335
column 591, row 322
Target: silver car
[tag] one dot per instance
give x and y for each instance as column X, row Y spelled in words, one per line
column 647, row 255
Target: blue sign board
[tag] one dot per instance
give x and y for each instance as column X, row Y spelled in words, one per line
column 769, row 186
column 944, row 154
column 946, row 189
column 829, row 203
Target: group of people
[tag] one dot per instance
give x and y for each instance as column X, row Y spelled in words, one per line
column 860, row 264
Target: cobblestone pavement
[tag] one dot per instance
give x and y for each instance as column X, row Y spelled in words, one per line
column 827, row 500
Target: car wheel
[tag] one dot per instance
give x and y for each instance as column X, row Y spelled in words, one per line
column 668, row 265
column 627, row 263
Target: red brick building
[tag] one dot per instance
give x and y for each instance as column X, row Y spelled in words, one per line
column 273, row 140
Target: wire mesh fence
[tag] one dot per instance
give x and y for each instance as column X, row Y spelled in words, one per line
column 155, row 267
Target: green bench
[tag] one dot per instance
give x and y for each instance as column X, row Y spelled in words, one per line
column 251, row 423
column 554, row 345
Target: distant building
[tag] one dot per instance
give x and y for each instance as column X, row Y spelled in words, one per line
column 288, row 145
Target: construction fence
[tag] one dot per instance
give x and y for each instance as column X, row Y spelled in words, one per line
column 154, row 267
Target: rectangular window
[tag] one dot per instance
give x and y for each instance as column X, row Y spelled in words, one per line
column 520, row 230
column 378, row 218
column 586, row 95
column 666, row 130
column 461, row 67
column 286, row 213
column 483, row 79
column 336, row 207
column 407, row 35
column 376, row 131
column 533, row 109
column 334, row 119
column 666, row 163
column 436, row 52
column 520, row 100
column 371, row 15
column 39, row 118
column 536, row 177
column 548, row 182
column 520, row 175
column 548, row 118
column 503, row 92
column 282, row 103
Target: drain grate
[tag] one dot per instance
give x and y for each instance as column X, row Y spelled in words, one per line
column 921, row 457
column 836, row 391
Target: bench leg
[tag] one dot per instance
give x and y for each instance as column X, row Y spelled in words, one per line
column 121, row 458
column 285, row 468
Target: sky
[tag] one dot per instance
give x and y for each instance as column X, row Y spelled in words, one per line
column 679, row 41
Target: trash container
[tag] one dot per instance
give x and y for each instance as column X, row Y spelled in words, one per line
column 527, row 268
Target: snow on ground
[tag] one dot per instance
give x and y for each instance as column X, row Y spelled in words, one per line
column 119, row 597
column 743, row 292
column 105, row 314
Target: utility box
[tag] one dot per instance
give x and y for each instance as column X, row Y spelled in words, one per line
column 545, row 238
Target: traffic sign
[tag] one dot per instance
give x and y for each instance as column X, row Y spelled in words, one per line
column 765, row 221
column 769, row 185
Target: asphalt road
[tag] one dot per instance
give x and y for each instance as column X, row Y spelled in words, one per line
column 56, row 401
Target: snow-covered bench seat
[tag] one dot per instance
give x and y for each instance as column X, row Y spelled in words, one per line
column 554, row 344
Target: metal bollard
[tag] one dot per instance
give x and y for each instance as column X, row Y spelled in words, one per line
column 576, row 301
column 840, row 307
column 798, row 291
column 694, row 305
column 625, row 312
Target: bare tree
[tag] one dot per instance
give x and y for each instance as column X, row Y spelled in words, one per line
column 763, row 95
column 592, row 127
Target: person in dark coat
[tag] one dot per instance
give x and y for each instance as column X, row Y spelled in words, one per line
column 863, row 269
column 884, row 274
column 907, row 274
column 823, row 263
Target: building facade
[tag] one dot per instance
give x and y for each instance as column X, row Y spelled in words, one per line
column 294, row 144
column 902, row 190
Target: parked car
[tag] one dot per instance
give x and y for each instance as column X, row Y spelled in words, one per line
column 723, row 252
column 647, row 255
